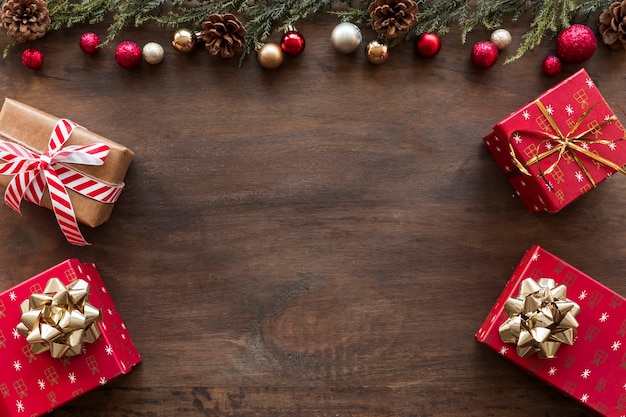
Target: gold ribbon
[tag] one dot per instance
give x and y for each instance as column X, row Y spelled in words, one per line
column 61, row 319
column 541, row 318
column 567, row 143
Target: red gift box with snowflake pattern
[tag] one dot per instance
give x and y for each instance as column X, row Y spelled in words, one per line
column 35, row 384
column 593, row 369
column 559, row 146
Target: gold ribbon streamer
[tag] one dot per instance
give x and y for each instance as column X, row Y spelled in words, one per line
column 541, row 318
column 61, row 319
column 566, row 143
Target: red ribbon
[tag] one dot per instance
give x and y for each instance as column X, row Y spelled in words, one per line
column 33, row 173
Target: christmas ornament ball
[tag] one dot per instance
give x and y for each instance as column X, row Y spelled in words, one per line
column 551, row 65
column 128, row 54
column 501, row 38
column 32, row 58
column 346, row 37
column 428, row 45
column 89, row 42
column 484, row 54
column 576, row 44
column 292, row 43
column 270, row 56
column 153, row 53
column 184, row 40
column 376, row 52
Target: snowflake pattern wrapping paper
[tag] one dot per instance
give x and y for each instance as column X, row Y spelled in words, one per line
column 32, row 385
column 593, row 369
column 568, row 139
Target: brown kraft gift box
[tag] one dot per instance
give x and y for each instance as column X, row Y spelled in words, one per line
column 31, row 128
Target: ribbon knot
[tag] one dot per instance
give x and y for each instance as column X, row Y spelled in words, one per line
column 574, row 143
column 35, row 173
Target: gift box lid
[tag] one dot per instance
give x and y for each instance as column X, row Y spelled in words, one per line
column 593, row 369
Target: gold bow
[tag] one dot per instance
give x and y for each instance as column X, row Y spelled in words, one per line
column 541, row 317
column 567, row 143
column 60, row 319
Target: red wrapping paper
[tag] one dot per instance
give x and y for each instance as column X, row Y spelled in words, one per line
column 32, row 385
column 593, row 369
column 566, row 103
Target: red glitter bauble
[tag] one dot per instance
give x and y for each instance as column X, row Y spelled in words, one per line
column 484, row 54
column 576, row 44
column 551, row 65
column 292, row 43
column 89, row 43
column 128, row 54
column 428, row 45
column 32, row 58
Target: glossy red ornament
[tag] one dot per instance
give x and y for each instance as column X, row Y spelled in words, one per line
column 428, row 45
column 32, row 58
column 484, row 54
column 576, row 44
column 292, row 43
column 128, row 54
column 89, row 43
column 551, row 65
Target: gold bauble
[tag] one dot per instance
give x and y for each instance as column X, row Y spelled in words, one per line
column 376, row 52
column 184, row 40
column 270, row 56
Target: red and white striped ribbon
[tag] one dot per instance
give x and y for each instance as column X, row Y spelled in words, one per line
column 33, row 173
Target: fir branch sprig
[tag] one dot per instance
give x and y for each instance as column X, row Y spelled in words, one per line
column 263, row 18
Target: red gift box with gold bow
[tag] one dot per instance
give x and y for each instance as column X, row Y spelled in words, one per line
column 564, row 327
column 60, row 337
column 559, row 146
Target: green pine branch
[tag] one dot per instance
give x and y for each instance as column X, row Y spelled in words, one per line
column 265, row 17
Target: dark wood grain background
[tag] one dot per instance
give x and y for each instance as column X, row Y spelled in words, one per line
column 319, row 240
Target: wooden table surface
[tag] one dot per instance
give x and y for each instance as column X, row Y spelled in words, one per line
column 319, row 240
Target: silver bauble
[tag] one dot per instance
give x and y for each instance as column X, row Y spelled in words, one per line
column 346, row 37
column 153, row 53
column 501, row 38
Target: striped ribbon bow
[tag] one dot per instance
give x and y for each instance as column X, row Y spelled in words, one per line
column 34, row 173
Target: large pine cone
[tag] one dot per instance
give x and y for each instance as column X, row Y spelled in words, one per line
column 393, row 18
column 25, row 20
column 613, row 25
column 223, row 35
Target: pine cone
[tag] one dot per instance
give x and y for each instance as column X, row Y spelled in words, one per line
column 223, row 34
column 393, row 18
column 613, row 25
column 25, row 20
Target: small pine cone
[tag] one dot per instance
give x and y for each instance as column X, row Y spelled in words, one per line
column 223, row 34
column 613, row 25
column 393, row 18
column 25, row 20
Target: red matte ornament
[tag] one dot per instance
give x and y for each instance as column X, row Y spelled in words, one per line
column 292, row 43
column 428, row 45
column 32, row 58
column 484, row 54
column 89, row 43
column 128, row 54
column 576, row 44
column 551, row 65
